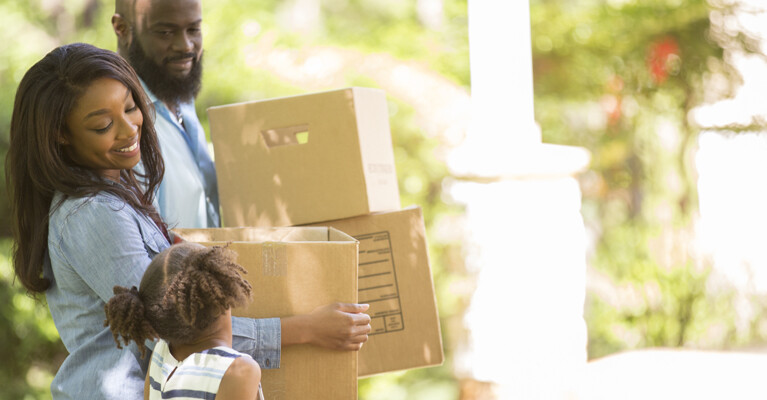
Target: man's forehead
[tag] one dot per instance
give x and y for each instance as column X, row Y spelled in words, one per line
column 141, row 7
column 152, row 11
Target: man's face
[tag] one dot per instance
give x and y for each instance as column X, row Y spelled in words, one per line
column 166, row 47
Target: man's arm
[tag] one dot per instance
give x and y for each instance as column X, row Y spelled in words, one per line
column 338, row 326
column 260, row 338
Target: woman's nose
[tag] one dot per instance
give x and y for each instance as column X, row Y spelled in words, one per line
column 129, row 127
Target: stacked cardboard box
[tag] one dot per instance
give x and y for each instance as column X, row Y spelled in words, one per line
column 327, row 159
column 304, row 159
column 395, row 279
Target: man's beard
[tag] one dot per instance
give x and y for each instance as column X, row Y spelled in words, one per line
column 166, row 87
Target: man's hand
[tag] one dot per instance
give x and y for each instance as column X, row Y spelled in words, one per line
column 338, row 326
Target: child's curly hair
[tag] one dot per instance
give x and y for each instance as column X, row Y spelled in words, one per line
column 184, row 289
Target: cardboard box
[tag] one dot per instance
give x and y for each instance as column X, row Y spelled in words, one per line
column 395, row 279
column 293, row 271
column 304, row 159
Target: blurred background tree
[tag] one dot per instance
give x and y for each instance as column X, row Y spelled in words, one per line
column 621, row 79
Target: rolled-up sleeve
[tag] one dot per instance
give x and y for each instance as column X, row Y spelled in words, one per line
column 261, row 338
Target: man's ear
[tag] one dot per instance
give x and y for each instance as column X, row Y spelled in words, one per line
column 122, row 29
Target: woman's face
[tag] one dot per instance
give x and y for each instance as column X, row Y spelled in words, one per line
column 104, row 129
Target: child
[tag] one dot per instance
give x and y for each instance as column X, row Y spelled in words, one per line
column 185, row 300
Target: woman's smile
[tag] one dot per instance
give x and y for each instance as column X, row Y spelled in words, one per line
column 130, row 148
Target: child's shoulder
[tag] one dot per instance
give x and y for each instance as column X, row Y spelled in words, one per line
column 240, row 380
column 244, row 366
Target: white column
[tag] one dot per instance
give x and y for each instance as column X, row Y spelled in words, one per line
column 525, row 233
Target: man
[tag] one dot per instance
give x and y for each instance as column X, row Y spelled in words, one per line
column 162, row 40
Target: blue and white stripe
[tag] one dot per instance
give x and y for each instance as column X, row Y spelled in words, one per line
column 196, row 377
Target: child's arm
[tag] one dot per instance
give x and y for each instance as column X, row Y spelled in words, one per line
column 240, row 382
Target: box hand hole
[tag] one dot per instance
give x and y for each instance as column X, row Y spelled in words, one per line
column 292, row 135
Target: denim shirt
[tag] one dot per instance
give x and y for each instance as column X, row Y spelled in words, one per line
column 95, row 243
column 188, row 194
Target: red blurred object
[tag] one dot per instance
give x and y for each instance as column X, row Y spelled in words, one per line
column 613, row 100
column 661, row 52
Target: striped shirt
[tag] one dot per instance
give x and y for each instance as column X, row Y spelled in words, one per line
column 196, row 377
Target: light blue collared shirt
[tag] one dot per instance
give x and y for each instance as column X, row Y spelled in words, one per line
column 188, row 194
column 94, row 244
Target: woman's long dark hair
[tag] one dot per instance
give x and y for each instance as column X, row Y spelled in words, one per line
column 37, row 166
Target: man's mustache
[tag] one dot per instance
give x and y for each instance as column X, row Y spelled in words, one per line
column 181, row 57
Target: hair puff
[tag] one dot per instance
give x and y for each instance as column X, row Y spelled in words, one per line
column 126, row 318
column 209, row 285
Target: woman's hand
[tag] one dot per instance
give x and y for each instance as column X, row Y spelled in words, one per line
column 338, row 326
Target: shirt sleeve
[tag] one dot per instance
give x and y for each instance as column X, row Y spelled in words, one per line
column 102, row 242
column 260, row 338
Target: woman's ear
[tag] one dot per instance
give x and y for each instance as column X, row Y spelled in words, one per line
column 62, row 140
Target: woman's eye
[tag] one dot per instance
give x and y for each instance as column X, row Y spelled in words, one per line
column 104, row 129
column 133, row 108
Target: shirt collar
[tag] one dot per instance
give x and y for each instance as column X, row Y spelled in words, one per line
column 149, row 93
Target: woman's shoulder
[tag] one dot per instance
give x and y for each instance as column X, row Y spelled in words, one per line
column 63, row 206
column 101, row 215
column 96, row 198
column 83, row 213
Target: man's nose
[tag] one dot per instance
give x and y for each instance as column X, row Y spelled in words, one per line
column 182, row 42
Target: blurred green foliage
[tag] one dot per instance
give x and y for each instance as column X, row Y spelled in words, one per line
column 620, row 78
column 31, row 345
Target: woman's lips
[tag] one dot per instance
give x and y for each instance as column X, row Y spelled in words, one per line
column 128, row 149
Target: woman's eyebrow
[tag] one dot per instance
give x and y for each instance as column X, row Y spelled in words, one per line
column 95, row 113
column 104, row 110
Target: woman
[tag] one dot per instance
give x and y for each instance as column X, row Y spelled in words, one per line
column 84, row 222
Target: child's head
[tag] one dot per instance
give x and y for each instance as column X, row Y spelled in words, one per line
column 184, row 289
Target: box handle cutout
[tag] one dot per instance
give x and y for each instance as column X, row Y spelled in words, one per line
column 292, row 135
